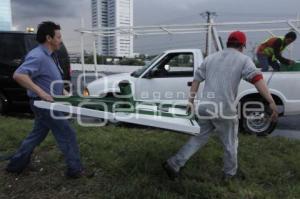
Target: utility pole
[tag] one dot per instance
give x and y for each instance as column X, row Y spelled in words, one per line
column 208, row 15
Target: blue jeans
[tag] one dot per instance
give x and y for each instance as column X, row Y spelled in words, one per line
column 63, row 133
column 265, row 61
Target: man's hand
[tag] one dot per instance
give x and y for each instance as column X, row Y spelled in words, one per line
column 46, row 97
column 274, row 115
column 192, row 94
column 261, row 86
column 25, row 81
column 190, row 108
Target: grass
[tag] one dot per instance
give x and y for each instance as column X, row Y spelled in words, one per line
column 128, row 165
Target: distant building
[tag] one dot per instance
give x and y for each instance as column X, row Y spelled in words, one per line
column 113, row 13
column 5, row 15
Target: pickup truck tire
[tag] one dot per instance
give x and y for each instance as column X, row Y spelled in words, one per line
column 257, row 122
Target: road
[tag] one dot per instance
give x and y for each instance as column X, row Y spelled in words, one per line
column 289, row 127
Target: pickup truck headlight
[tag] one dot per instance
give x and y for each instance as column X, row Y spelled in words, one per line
column 86, row 92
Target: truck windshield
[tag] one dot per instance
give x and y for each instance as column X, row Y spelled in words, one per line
column 140, row 71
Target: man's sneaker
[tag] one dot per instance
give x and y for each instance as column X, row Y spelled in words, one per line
column 80, row 174
column 171, row 172
column 13, row 171
column 17, row 166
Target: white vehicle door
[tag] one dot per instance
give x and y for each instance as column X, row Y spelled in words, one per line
column 286, row 85
column 169, row 80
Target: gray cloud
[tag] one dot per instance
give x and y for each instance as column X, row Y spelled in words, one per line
column 69, row 13
column 45, row 8
column 178, row 11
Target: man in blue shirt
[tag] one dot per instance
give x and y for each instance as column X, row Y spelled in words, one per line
column 37, row 74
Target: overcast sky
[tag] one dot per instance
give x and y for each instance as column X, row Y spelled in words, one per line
column 68, row 13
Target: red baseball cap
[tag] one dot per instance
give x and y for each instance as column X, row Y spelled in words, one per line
column 237, row 37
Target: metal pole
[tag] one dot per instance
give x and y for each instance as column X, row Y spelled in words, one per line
column 216, row 38
column 271, row 33
column 294, row 27
column 82, row 52
column 209, row 40
column 95, row 57
column 208, row 14
column 207, row 47
column 82, row 57
column 297, row 30
column 291, row 49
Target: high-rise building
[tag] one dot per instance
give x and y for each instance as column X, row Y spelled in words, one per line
column 113, row 13
column 5, row 15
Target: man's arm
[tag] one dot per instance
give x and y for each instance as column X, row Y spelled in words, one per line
column 199, row 76
column 193, row 92
column 262, row 88
column 276, row 46
column 25, row 81
column 28, row 70
column 251, row 74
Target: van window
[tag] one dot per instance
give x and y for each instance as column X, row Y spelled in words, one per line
column 12, row 48
column 15, row 46
column 30, row 42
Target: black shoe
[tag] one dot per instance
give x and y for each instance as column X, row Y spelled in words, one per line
column 11, row 171
column 18, row 165
column 80, row 174
column 14, row 170
column 171, row 172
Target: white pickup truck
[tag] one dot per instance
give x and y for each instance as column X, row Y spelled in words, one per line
column 169, row 76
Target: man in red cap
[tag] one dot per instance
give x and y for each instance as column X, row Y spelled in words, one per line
column 216, row 111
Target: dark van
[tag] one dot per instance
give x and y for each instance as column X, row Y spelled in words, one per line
column 13, row 48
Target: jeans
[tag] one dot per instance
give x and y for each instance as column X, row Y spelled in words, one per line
column 63, row 133
column 265, row 61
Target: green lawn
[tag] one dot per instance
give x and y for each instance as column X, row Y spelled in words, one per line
column 128, row 165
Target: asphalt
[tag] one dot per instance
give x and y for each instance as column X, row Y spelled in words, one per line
column 288, row 127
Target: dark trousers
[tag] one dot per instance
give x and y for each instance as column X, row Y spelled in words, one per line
column 63, row 133
column 265, row 62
